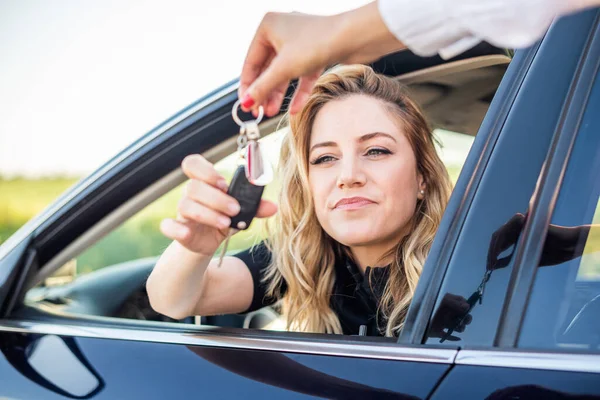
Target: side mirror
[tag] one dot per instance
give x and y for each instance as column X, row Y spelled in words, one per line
column 53, row 362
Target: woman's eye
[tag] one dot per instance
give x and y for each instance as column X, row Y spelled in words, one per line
column 377, row 152
column 322, row 159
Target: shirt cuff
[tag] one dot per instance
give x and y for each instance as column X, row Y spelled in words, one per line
column 459, row 47
column 425, row 27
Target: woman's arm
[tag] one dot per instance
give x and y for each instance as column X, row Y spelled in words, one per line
column 184, row 283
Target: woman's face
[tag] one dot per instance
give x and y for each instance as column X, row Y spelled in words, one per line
column 362, row 173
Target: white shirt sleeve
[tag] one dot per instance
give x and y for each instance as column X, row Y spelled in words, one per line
column 450, row 27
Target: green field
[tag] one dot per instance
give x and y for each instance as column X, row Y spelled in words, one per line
column 139, row 237
column 21, row 199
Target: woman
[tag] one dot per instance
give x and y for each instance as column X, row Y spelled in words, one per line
column 363, row 192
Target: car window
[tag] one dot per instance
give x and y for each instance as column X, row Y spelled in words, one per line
column 564, row 306
column 137, row 243
column 125, row 257
column 504, row 190
column 140, row 236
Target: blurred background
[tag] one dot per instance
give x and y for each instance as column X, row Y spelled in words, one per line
column 80, row 81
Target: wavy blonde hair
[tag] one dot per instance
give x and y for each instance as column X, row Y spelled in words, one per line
column 304, row 254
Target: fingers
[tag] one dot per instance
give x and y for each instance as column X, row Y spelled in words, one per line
column 304, row 89
column 212, row 198
column 197, row 167
column 456, row 303
column 193, row 211
column 273, row 105
column 207, row 189
column 176, row 230
column 464, row 322
column 273, row 78
column 259, row 55
column 204, row 201
column 266, row 209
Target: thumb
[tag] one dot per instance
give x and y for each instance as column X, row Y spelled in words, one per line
column 273, row 77
column 266, row 209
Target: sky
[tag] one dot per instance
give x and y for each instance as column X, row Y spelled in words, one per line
column 80, row 80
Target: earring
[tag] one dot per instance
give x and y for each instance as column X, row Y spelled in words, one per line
column 422, row 191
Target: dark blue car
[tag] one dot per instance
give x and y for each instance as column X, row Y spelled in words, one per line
column 530, row 124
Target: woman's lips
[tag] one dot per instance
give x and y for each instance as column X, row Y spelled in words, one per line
column 353, row 203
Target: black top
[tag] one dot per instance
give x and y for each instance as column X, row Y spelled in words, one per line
column 352, row 299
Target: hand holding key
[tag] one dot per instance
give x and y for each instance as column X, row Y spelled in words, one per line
column 206, row 210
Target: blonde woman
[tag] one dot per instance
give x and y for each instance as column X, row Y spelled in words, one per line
column 363, row 192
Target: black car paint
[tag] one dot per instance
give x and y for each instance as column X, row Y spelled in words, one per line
column 476, row 382
column 158, row 371
column 150, row 369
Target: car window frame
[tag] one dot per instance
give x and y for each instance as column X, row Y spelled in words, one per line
column 111, row 322
column 545, row 198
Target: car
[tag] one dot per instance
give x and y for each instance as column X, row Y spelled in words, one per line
column 531, row 125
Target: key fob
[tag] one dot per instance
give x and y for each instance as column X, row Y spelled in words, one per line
column 248, row 195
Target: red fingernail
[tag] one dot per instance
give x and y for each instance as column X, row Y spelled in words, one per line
column 247, row 101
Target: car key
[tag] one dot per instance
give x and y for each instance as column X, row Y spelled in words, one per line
column 476, row 297
column 248, row 195
column 250, row 178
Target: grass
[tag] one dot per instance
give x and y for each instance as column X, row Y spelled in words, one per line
column 139, row 237
column 21, row 199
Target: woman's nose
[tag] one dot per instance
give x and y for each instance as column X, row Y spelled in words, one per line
column 350, row 173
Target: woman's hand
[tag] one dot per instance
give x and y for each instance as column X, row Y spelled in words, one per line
column 287, row 46
column 205, row 210
column 452, row 309
column 502, row 239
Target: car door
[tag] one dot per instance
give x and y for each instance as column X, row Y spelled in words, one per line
column 536, row 332
column 49, row 353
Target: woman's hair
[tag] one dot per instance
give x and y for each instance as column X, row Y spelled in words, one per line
column 304, row 254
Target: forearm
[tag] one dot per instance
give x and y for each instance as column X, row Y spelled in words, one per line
column 174, row 286
column 567, row 243
column 363, row 36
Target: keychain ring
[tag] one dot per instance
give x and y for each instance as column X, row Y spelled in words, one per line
column 237, row 119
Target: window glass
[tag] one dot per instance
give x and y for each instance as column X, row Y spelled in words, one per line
column 564, row 307
column 504, row 192
column 127, row 255
column 137, row 243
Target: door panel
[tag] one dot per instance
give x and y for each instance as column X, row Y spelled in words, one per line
column 477, row 382
column 149, row 370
